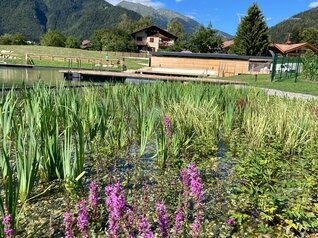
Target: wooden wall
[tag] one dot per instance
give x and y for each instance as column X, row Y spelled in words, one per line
column 224, row 67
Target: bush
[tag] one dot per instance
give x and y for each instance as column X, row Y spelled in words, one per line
column 53, row 38
column 71, row 42
column 310, row 66
column 17, row 39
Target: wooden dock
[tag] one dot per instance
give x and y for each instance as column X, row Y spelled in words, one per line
column 92, row 75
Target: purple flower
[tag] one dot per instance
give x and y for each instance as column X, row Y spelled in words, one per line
column 82, row 218
column 68, row 220
column 6, row 222
column 144, row 228
column 116, row 207
column 168, row 126
column 197, row 193
column 195, row 182
column 93, row 199
column 163, row 219
column 178, row 221
column 186, row 186
column 231, row 221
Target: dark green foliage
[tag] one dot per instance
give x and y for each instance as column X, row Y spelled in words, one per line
column 205, row 40
column 71, row 42
column 53, row 38
column 79, row 18
column 118, row 40
column 16, row 39
column 176, row 29
column 24, row 16
column 309, row 35
column 310, row 66
column 300, row 35
column 252, row 35
column 131, row 26
column 96, row 39
column 279, row 33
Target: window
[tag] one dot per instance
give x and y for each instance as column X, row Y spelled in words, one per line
column 139, row 38
column 152, row 40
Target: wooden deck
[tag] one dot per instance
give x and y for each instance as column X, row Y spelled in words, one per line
column 122, row 75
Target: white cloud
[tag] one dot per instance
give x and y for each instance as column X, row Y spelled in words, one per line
column 313, row 4
column 150, row 3
column 177, row 1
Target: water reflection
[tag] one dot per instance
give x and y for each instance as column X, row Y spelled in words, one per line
column 15, row 76
column 10, row 76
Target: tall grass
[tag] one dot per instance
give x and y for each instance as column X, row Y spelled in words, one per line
column 46, row 134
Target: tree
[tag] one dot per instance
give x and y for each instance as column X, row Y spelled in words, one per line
column 126, row 24
column 53, row 38
column 310, row 35
column 205, row 40
column 176, row 29
column 142, row 23
column 296, row 35
column 252, row 36
column 71, row 42
column 17, row 39
column 118, row 40
column 96, row 39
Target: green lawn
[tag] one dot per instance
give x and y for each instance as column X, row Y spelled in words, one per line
column 20, row 51
column 287, row 85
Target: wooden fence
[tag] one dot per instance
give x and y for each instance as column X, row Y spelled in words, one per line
column 127, row 54
column 75, row 61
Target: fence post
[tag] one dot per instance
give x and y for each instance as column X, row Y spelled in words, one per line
column 274, row 68
column 297, row 68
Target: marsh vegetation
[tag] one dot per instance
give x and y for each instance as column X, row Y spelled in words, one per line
column 177, row 160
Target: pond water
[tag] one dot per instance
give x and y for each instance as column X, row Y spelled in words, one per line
column 16, row 76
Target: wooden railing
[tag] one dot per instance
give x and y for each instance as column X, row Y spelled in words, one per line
column 127, row 54
column 76, row 61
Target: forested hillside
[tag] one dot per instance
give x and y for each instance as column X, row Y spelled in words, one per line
column 79, row 18
column 279, row 33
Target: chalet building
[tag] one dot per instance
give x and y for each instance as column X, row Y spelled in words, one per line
column 227, row 45
column 153, row 38
column 85, row 44
column 293, row 49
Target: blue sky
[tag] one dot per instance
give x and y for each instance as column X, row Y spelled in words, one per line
column 223, row 13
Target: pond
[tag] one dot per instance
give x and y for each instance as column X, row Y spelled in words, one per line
column 16, row 76
column 10, row 76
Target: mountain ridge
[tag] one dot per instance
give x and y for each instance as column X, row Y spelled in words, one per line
column 79, row 18
column 163, row 16
column 304, row 19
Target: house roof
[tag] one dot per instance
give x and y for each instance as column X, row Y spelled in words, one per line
column 152, row 30
column 288, row 48
column 210, row 56
column 227, row 44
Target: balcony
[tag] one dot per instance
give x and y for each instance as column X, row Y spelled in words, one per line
column 165, row 44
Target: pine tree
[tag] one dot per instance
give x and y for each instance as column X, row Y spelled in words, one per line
column 252, row 36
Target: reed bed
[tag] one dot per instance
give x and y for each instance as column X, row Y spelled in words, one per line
column 255, row 155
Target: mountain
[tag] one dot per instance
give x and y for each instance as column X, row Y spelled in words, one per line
column 305, row 19
column 79, row 18
column 162, row 17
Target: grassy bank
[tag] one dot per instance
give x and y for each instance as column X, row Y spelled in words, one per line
column 20, row 51
column 287, row 85
column 234, row 162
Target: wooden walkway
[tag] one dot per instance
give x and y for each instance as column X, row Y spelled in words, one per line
column 120, row 75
